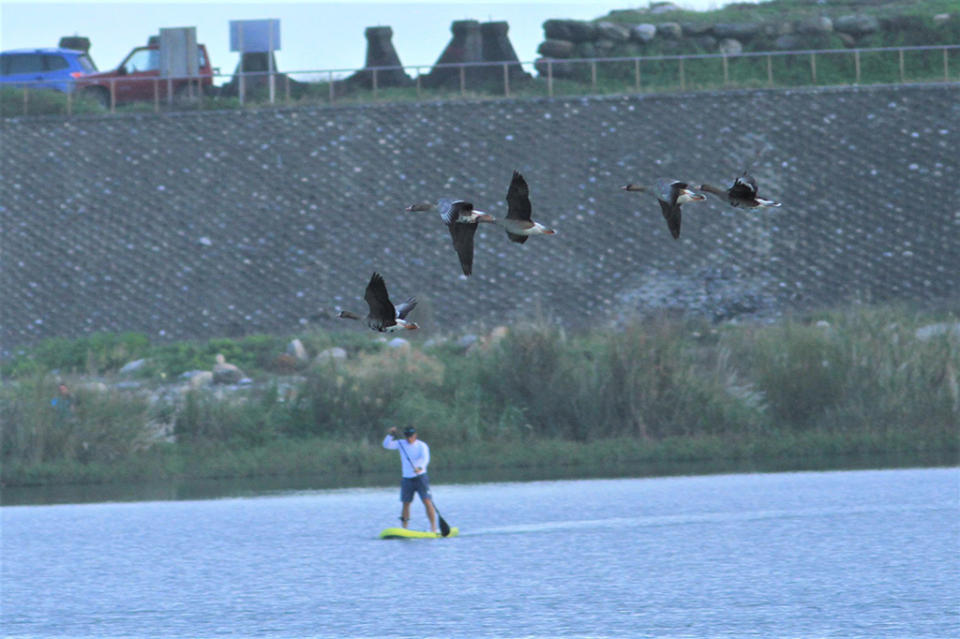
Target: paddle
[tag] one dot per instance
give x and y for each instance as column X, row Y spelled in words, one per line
column 444, row 528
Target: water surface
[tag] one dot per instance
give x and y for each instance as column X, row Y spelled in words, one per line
column 843, row 554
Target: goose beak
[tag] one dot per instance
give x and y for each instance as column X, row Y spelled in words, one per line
column 484, row 217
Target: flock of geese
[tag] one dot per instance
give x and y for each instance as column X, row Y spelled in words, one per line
column 462, row 220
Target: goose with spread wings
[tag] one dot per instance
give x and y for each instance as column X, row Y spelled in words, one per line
column 383, row 317
column 462, row 220
column 518, row 224
column 671, row 194
column 742, row 193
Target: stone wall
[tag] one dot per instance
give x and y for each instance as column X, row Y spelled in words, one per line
column 639, row 32
column 202, row 224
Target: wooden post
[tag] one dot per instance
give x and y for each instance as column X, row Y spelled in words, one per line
column 902, row 74
column 770, row 70
column 25, row 99
column 550, row 78
column 287, row 88
column 506, row 81
column 726, row 71
column 113, row 95
column 946, row 71
column 70, row 101
column 813, row 68
column 156, row 95
column 683, row 80
column 636, row 72
column 593, row 75
column 330, row 75
column 374, row 83
column 856, row 63
column 463, row 80
column 419, row 85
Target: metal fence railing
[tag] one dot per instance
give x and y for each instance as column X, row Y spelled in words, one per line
column 544, row 77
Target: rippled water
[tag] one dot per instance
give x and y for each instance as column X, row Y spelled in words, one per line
column 842, row 554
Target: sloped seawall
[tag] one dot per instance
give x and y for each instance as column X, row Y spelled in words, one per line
column 195, row 225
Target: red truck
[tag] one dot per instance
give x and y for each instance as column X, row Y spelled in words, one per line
column 138, row 78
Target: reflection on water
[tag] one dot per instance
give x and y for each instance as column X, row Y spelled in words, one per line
column 252, row 486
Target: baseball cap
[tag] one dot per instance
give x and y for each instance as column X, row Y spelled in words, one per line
column 409, row 430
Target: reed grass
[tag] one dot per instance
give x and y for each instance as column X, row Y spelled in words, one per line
column 854, row 381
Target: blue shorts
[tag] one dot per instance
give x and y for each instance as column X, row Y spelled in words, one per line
column 419, row 484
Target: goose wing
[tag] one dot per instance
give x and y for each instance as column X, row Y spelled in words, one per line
column 404, row 308
column 744, row 188
column 382, row 312
column 671, row 213
column 462, row 235
column 451, row 210
column 518, row 199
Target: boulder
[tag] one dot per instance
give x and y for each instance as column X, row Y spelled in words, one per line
column 856, row 25
column 134, row 367
column 556, row 48
column 573, row 30
column 737, row 30
column 695, row 28
column 943, row 329
column 705, row 42
column 331, row 355
column 226, row 373
column 790, row 42
column 643, row 33
column 297, row 350
column 815, row 26
column 613, row 31
column 671, row 30
column 730, row 46
column 398, row 343
column 660, row 8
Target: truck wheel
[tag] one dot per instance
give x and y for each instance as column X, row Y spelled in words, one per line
column 99, row 95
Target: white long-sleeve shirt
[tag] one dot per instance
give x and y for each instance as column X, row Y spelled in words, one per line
column 418, row 452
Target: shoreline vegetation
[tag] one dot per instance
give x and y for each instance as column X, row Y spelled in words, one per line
column 818, row 390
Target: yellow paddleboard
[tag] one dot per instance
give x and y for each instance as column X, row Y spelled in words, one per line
column 406, row 533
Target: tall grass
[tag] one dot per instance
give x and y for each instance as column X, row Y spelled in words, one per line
column 845, row 382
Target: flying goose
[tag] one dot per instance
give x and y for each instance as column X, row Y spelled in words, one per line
column 383, row 316
column 742, row 193
column 462, row 220
column 671, row 194
column 518, row 224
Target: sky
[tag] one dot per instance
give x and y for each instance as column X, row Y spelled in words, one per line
column 314, row 35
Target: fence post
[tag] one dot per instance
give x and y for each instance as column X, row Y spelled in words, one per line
column 419, row 84
column 636, row 72
column 156, row 95
column 549, row 77
column 113, row 95
column 330, row 76
column 506, row 81
column 286, row 91
column 946, row 74
column 813, row 68
column 374, row 83
column 856, row 63
column 683, row 79
column 770, row 70
column 593, row 75
column 726, row 71
column 25, row 99
column 463, row 80
column 902, row 75
column 70, row 100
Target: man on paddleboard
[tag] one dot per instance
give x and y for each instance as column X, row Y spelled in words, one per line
column 414, row 457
